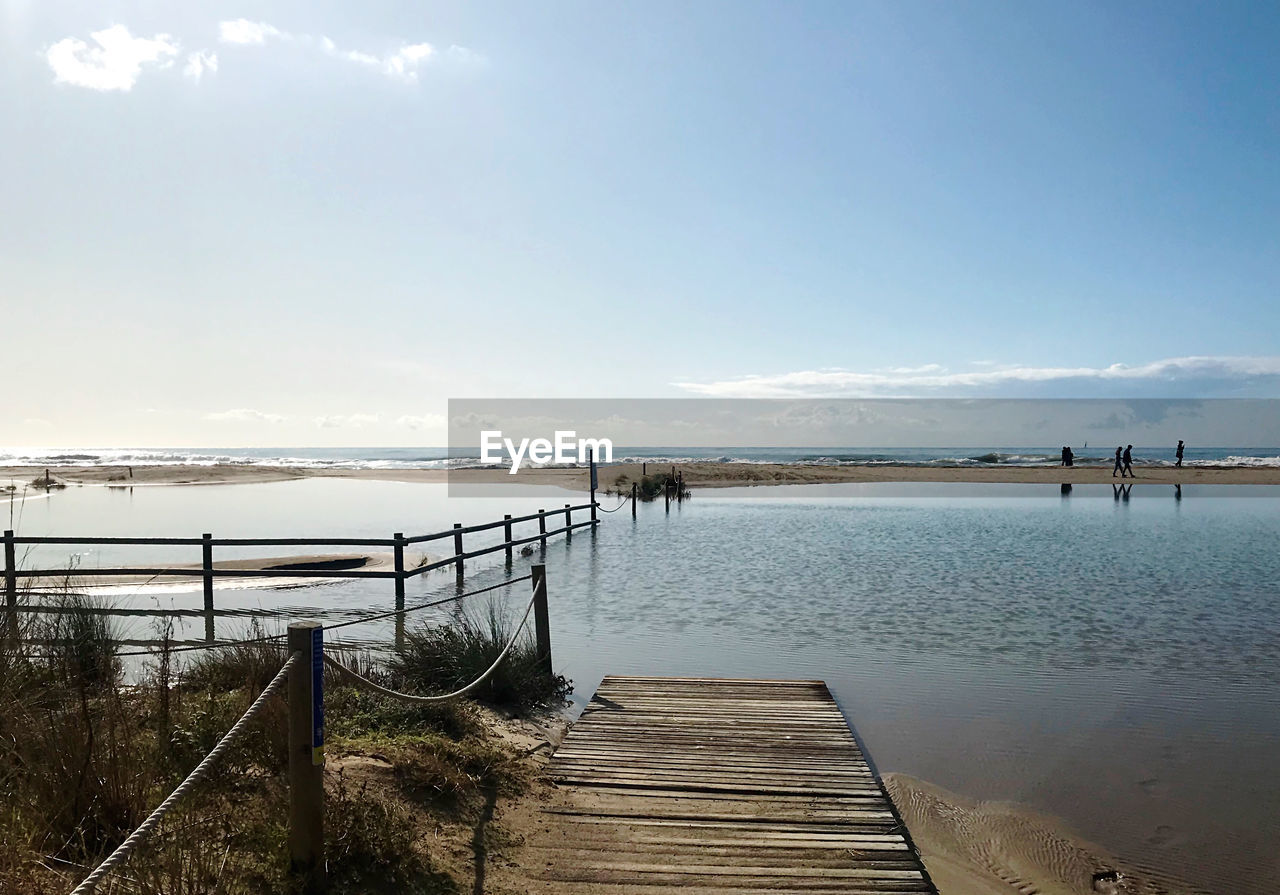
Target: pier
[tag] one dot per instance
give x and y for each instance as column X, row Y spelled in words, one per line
column 713, row 785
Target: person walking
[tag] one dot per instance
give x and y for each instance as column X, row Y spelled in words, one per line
column 1119, row 464
column 1179, row 453
column 1128, row 461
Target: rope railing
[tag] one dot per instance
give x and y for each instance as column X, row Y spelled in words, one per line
column 414, row 698
column 622, row 503
column 363, row 620
column 122, row 852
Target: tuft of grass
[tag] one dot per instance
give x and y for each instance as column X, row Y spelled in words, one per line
column 249, row 666
column 440, row 658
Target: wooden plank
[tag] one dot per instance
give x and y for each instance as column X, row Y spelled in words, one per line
column 718, row 785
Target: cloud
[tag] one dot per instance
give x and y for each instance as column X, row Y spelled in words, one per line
column 350, row 421
column 115, row 63
column 242, row 31
column 402, row 64
column 1182, row 376
column 198, row 63
column 428, row 421
column 244, row 415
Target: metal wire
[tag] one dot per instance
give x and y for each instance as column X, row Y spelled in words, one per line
column 121, row 854
column 414, row 698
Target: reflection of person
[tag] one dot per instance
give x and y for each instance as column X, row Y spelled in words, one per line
column 1179, row 452
column 1119, row 464
column 1128, row 461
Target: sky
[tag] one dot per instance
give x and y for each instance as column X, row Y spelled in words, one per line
column 287, row 223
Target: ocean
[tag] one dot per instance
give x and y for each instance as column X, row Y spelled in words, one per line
column 440, row 457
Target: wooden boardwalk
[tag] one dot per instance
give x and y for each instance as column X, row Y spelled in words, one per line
column 714, row 786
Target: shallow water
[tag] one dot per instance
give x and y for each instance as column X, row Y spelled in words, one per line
column 1113, row 662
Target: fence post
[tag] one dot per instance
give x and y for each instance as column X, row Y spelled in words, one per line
column 398, row 547
column 306, row 754
column 10, row 585
column 457, row 548
column 568, row 523
column 634, row 489
column 506, row 534
column 666, row 492
column 591, row 461
column 206, row 565
column 398, row 559
column 541, row 617
column 542, row 530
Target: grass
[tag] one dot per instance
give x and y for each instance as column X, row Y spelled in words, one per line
column 85, row 755
column 441, row 658
column 649, row 487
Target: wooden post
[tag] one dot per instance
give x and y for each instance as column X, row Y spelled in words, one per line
column 506, row 534
column 206, row 565
column 666, row 493
column 457, row 548
column 591, row 461
column 306, row 755
column 633, row 499
column 568, row 523
column 10, row 585
column 541, row 617
column 398, row 549
column 542, row 530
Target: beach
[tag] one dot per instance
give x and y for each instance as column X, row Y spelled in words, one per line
column 982, row 644
column 696, row 475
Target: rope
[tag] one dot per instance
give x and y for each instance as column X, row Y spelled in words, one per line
column 121, row 854
column 358, row 621
column 412, row 698
column 374, row 618
column 624, row 502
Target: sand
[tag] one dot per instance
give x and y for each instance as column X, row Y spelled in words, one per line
column 999, row 848
column 696, row 475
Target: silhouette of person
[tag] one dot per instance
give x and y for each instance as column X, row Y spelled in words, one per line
column 1068, row 457
column 1064, row 455
column 1179, row 453
column 1177, row 492
column 1119, row 464
column 1128, row 461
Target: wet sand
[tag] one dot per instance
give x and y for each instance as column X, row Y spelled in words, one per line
column 995, row 848
column 701, row 475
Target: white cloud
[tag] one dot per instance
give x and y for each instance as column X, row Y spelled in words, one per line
column 351, row 421
column 115, row 63
column 242, row 31
column 244, row 415
column 402, row 64
column 1190, row 374
column 428, row 421
column 198, row 63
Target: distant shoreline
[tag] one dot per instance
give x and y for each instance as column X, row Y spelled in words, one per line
column 701, row 474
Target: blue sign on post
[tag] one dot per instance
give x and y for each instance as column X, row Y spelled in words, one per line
column 317, row 696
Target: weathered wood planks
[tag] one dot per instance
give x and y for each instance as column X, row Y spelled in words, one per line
column 708, row 785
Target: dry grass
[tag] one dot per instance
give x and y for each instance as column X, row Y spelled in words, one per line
column 85, row 755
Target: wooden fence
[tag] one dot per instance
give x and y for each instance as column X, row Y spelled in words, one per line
column 208, row 572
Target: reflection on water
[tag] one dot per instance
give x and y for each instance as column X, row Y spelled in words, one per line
column 1110, row 661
